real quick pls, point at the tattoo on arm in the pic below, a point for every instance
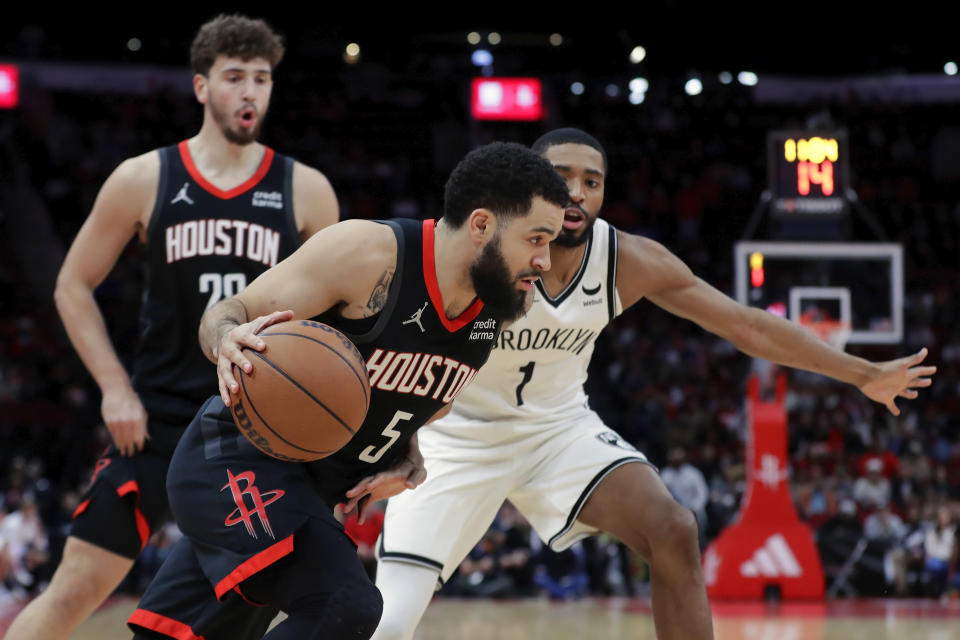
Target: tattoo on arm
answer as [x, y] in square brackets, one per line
[378, 297]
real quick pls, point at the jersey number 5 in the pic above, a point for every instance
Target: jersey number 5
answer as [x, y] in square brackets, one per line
[221, 285]
[371, 454]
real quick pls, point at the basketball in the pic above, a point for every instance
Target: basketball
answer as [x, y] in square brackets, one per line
[307, 395]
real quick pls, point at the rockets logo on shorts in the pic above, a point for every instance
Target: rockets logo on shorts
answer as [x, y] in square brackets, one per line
[257, 505]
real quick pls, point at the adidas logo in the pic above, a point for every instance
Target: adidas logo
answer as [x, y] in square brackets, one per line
[773, 560]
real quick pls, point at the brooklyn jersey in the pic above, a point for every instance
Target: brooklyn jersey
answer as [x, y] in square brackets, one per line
[539, 363]
[203, 244]
[417, 359]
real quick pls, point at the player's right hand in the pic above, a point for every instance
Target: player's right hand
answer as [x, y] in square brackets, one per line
[232, 344]
[126, 419]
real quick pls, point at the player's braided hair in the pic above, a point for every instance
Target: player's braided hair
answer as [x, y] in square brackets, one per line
[235, 36]
[502, 177]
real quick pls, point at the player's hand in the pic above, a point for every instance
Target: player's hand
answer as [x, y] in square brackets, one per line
[230, 350]
[898, 378]
[409, 473]
[126, 419]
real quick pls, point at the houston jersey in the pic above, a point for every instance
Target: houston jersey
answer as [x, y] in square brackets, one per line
[539, 364]
[203, 244]
[417, 359]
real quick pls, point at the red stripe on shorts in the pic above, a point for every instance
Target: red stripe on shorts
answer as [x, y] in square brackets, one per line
[162, 624]
[143, 527]
[251, 566]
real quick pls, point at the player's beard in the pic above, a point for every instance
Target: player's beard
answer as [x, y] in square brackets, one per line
[238, 136]
[571, 239]
[495, 285]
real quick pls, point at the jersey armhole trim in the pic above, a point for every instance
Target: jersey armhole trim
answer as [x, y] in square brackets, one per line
[290, 210]
[613, 297]
[154, 222]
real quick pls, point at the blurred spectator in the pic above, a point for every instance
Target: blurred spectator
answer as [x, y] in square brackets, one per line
[688, 487]
[816, 500]
[23, 546]
[872, 491]
[885, 533]
[940, 553]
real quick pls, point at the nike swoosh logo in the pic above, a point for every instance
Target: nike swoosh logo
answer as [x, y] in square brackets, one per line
[591, 292]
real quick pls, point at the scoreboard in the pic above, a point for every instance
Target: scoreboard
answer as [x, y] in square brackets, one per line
[809, 173]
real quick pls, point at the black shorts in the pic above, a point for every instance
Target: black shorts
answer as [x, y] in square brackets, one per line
[180, 604]
[125, 501]
[239, 510]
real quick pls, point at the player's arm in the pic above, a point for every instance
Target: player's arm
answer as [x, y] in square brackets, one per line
[648, 269]
[121, 210]
[348, 265]
[315, 205]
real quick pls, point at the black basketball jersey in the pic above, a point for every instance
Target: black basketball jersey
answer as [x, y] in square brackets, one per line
[203, 244]
[417, 361]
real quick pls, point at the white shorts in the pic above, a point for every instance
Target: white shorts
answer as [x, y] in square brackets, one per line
[548, 472]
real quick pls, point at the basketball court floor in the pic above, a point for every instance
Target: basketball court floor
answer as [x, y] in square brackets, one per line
[623, 619]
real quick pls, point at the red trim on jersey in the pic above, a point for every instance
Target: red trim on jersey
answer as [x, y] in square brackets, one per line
[239, 592]
[143, 527]
[162, 624]
[257, 563]
[433, 289]
[220, 193]
[81, 508]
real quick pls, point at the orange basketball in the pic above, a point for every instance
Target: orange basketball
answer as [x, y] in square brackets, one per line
[307, 395]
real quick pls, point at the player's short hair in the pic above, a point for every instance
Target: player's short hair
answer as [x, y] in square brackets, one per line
[565, 136]
[502, 177]
[235, 36]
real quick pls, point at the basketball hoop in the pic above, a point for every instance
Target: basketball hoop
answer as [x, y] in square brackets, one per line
[834, 332]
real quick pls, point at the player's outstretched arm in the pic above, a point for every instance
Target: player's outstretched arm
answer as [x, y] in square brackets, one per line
[650, 270]
[315, 205]
[122, 208]
[348, 265]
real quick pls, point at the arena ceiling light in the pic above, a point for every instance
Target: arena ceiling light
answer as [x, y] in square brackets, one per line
[351, 53]
[637, 54]
[577, 88]
[481, 58]
[556, 39]
[473, 37]
[494, 38]
[950, 68]
[693, 87]
[725, 77]
[747, 78]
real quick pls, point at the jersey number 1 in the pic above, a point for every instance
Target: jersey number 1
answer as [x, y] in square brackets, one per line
[527, 371]
[221, 285]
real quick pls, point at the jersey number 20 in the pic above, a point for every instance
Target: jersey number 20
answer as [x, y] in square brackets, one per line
[221, 285]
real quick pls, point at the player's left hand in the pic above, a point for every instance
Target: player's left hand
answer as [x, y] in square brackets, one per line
[408, 473]
[898, 379]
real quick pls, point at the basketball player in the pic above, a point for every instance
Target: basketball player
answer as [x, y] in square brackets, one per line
[458, 279]
[213, 212]
[524, 431]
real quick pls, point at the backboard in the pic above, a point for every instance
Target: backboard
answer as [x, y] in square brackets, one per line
[860, 283]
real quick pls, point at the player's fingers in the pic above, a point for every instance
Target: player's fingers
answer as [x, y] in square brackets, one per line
[362, 513]
[892, 408]
[920, 382]
[909, 394]
[918, 356]
[349, 506]
[275, 318]
[922, 371]
[359, 489]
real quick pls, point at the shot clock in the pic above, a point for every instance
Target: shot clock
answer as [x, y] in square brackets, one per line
[809, 173]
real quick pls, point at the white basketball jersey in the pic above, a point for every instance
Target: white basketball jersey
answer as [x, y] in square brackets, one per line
[538, 366]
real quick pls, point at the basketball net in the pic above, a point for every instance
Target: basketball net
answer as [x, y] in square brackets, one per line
[834, 332]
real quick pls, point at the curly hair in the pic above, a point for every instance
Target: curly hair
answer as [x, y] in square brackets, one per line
[565, 136]
[236, 36]
[502, 177]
